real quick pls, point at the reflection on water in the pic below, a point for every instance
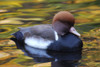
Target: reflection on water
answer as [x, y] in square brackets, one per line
[57, 59]
[22, 13]
[2, 30]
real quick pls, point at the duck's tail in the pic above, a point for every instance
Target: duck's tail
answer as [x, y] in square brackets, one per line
[18, 39]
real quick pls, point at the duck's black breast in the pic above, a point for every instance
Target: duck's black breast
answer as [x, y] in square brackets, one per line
[69, 42]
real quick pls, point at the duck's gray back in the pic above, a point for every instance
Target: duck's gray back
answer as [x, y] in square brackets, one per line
[45, 31]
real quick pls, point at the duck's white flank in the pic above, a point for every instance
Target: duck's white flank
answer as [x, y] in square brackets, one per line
[56, 35]
[38, 42]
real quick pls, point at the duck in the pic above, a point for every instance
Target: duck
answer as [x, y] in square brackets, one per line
[58, 36]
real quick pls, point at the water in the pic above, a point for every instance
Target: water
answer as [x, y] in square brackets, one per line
[25, 13]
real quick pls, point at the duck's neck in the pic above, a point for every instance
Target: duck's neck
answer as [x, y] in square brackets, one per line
[56, 35]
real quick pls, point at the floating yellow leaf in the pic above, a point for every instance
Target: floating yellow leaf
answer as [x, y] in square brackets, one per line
[9, 21]
[43, 65]
[83, 1]
[3, 11]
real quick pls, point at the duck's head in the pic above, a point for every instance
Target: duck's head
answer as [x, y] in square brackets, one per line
[63, 22]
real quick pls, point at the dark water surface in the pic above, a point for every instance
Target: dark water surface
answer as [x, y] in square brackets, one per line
[23, 13]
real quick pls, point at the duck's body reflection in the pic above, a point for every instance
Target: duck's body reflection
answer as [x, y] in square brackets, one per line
[57, 59]
[65, 59]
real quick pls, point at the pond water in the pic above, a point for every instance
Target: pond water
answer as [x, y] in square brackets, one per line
[23, 13]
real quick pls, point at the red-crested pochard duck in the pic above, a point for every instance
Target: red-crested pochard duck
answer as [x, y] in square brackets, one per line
[59, 36]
